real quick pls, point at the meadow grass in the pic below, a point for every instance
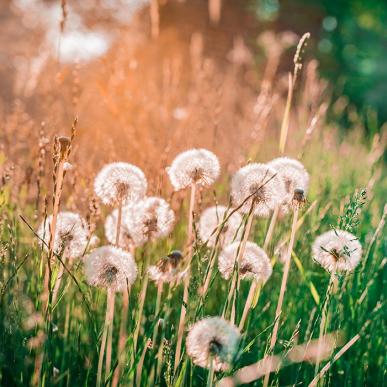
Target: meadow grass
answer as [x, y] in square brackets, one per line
[344, 194]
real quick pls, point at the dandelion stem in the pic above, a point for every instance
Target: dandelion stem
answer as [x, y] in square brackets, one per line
[240, 255]
[157, 308]
[141, 302]
[110, 294]
[283, 287]
[254, 289]
[124, 311]
[253, 286]
[187, 277]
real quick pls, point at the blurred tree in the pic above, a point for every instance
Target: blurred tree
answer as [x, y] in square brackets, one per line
[350, 41]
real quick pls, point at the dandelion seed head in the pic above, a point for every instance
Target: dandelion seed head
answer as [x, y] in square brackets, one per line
[254, 264]
[262, 185]
[71, 234]
[337, 251]
[168, 268]
[213, 340]
[150, 219]
[211, 218]
[111, 268]
[120, 182]
[293, 173]
[198, 166]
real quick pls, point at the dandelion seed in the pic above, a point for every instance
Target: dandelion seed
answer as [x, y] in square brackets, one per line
[167, 268]
[111, 268]
[337, 250]
[150, 219]
[71, 234]
[120, 182]
[195, 166]
[213, 342]
[257, 185]
[211, 218]
[293, 173]
[254, 264]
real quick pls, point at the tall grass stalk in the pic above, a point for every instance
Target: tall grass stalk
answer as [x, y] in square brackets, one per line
[283, 287]
[184, 305]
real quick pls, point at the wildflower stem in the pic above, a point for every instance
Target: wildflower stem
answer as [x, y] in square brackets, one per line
[110, 294]
[240, 255]
[141, 303]
[270, 230]
[157, 308]
[283, 287]
[323, 323]
[187, 277]
[124, 311]
[254, 289]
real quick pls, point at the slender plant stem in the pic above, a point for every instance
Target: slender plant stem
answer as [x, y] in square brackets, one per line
[141, 303]
[270, 231]
[157, 309]
[338, 355]
[323, 323]
[110, 335]
[57, 283]
[283, 287]
[253, 286]
[183, 311]
[239, 256]
[124, 311]
[104, 336]
[285, 120]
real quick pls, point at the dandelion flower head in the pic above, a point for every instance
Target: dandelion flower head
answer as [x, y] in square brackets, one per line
[337, 251]
[254, 264]
[71, 234]
[257, 185]
[168, 269]
[150, 219]
[111, 268]
[293, 173]
[213, 340]
[212, 218]
[195, 166]
[120, 182]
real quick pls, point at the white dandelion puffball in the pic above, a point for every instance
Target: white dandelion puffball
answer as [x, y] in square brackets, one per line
[125, 239]
[120, 182]
[150, 219]
[262, 185]
[254, 264]
[211, 218]
[198, 166]
[71, 234]
[168, 268]
[111, 268]
[337, 250]
[213, 340]
[293, 172]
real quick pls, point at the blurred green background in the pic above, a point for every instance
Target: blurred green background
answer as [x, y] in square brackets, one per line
[349, 38]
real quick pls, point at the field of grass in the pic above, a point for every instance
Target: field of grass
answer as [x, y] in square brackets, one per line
[331, 329]
[346, 192]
